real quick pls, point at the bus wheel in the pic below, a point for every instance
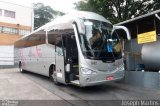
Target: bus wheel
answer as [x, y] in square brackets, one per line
[52, 74]
[20, 68]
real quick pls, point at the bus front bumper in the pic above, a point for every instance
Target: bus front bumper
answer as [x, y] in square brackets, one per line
[101, 78]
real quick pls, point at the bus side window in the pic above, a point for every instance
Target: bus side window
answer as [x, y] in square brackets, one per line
[59, 46]
[51, 37]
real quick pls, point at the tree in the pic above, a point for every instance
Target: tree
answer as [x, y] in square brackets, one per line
[117, 10]
[156, 4]
[44, 14]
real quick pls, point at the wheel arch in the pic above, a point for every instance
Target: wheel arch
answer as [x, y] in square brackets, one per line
[50, 69]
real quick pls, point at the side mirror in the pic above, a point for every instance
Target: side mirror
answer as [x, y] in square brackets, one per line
[123, 28]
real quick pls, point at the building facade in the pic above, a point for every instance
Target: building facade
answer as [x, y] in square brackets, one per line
[142, 52]
[15, 22]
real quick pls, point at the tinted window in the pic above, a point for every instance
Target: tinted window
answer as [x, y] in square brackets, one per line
[59, 45]
[70, 47]
[53, 33]
[34, 39]
[51, 37]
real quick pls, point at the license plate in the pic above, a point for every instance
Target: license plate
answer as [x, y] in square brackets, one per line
[109, 78]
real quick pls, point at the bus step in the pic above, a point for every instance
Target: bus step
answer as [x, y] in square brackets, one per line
[76, 82]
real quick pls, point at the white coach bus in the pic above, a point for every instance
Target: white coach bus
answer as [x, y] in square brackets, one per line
[79, 48]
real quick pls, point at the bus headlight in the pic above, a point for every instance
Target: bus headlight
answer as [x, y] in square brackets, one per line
[86, 71]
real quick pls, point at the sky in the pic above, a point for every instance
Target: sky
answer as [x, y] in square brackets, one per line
[61, 5]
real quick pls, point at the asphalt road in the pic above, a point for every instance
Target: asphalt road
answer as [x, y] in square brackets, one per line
[94, 95]
[102, 95]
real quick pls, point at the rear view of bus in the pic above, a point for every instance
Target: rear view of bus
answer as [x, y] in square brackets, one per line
[80, 48]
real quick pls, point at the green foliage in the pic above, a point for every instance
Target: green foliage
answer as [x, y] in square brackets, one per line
[156, 4]
[118, 10]
[44, 14]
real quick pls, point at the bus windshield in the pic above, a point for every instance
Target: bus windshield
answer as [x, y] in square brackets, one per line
[98, 42]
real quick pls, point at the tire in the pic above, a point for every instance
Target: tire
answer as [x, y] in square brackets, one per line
[20, 68]
[52, 74]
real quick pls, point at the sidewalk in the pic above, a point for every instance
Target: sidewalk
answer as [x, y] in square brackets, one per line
[14, 86]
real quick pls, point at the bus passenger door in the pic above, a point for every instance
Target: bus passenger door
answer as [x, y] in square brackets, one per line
[71, 59]
[59, 60]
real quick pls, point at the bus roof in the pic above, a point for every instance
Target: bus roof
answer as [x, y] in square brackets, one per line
[67, 20]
